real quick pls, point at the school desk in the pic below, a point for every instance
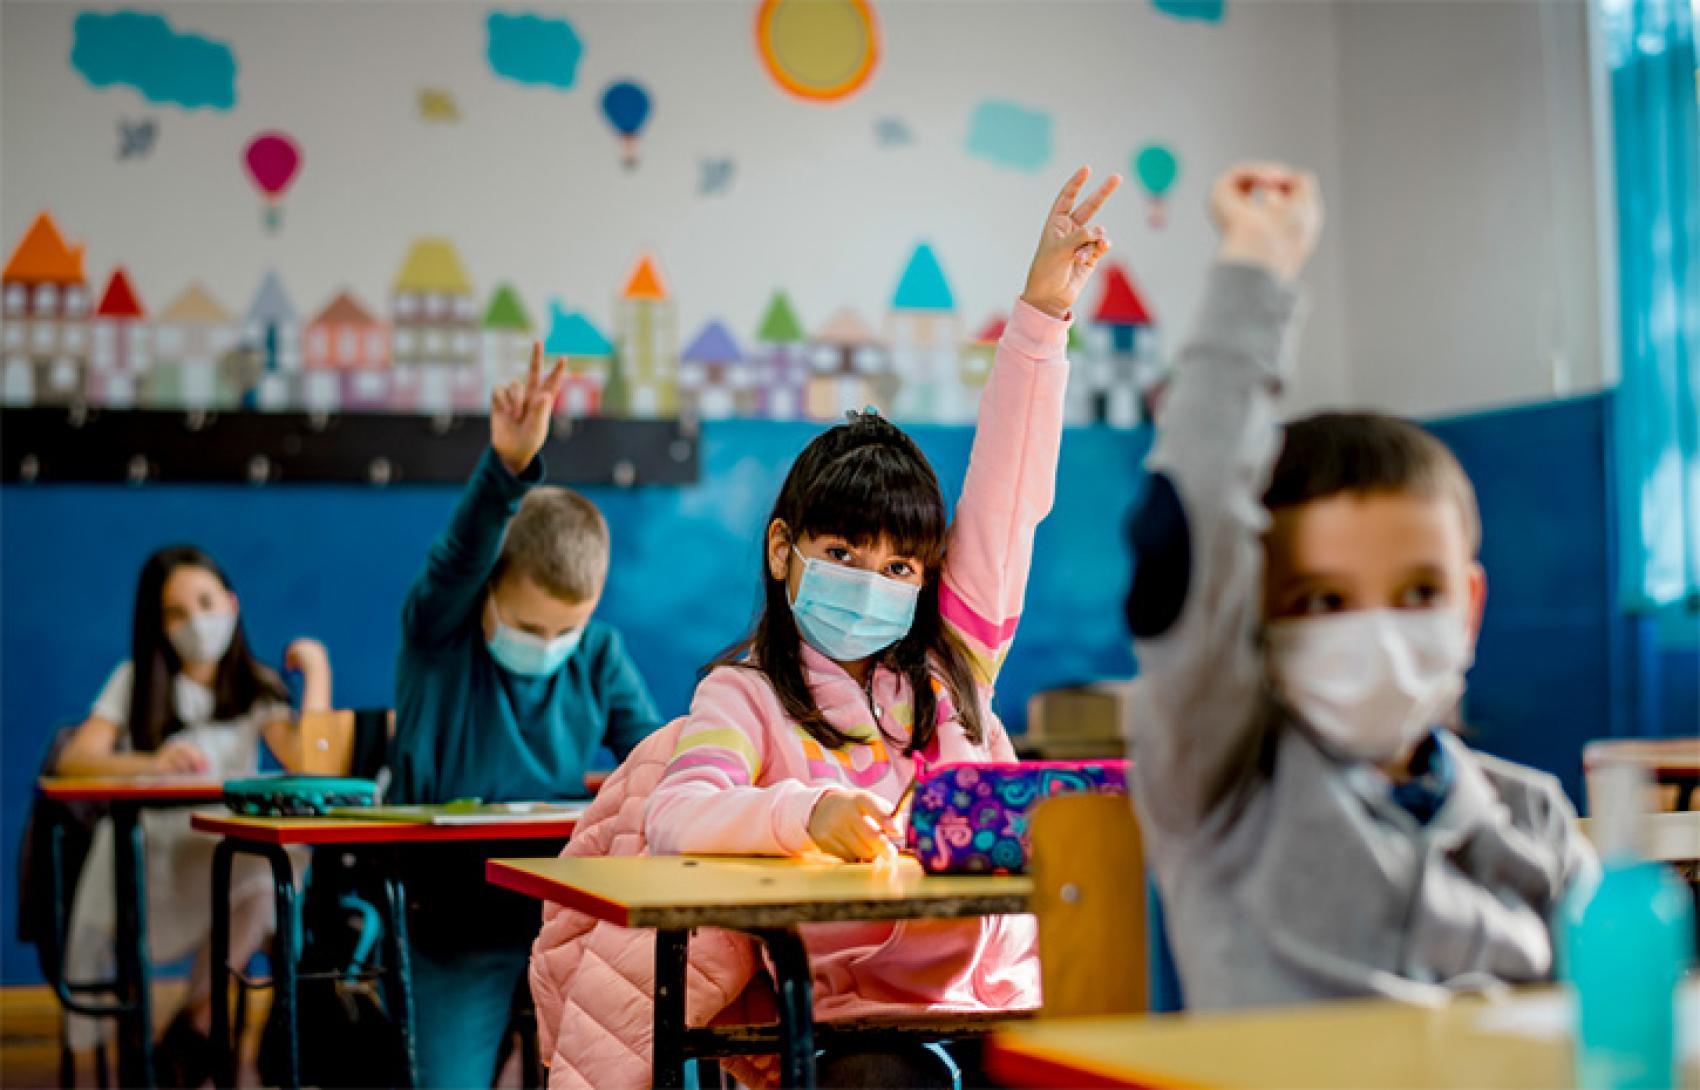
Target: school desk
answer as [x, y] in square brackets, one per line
[1669, 838]
[269, 838]
[765, 898]
[131, 988]
[1360, 1045]
[1667, 761]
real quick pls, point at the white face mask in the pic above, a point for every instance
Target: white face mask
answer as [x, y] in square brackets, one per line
[1371, 683]
[203, 637]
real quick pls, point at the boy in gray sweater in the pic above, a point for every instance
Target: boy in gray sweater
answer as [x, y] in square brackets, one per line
[1304, 607]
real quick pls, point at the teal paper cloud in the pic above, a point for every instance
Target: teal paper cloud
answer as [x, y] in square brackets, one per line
[533, 49]
[1010, 135]
[140, 49]
[1203, 11]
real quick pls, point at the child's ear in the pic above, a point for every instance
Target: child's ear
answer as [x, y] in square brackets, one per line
[778, 549]
[1478, 599]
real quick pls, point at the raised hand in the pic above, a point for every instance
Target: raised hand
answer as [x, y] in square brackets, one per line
[1269, 215]
[520, 411]
[1069, 247]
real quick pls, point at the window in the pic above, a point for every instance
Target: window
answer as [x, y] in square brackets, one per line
[434, 345]
[74, 337]
[17, 299]
[14, 334]
[319, 345]
[406, 305]
[374, 346]
[45, 341]
[404, 341]
[46, 299]
[434, 307]
[76, 301]
[463, 343]
[64, 375]
[347, 345]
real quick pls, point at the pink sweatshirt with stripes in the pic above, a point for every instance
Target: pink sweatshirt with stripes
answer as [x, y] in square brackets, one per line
[744, 779]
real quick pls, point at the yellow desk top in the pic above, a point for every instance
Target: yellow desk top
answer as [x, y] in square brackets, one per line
[676, 891]
[1364, 1045]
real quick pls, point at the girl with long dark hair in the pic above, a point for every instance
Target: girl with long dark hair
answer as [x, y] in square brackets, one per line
[192, 700]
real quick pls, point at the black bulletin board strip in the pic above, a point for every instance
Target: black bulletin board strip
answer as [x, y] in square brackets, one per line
[57, 445]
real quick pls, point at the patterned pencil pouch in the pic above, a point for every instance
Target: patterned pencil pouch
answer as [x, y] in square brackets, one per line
[972, 818]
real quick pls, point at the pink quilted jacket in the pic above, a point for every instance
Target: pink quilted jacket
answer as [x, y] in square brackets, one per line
[593, 981]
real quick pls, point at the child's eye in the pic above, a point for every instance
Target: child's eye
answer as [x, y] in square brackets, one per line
[1422, 596]
[900, 569]
[1320, 602]
[838, 554]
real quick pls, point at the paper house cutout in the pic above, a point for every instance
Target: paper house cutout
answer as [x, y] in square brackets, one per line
[923, 285]
[589, 358]
[506, 338]
[46, 307]
[715, 381]
[644, 282]
[506, 311]
[345, 335]
[572, 334]
[850, 368]
[122, 344]
[779, 325]
[119, 299]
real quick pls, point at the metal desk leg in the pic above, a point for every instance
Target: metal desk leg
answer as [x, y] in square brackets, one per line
[130, 890]
[401, 971]
[224, 1049]
[796, 999]
[672, 952]
[285, 958]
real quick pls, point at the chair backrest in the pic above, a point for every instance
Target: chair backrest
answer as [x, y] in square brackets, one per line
[341, 743]
[1088, 869]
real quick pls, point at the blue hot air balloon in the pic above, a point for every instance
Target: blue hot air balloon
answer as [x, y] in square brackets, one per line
[626, 106]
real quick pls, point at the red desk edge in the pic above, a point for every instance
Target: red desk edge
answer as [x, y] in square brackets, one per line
[508, 876]
[1018, 1066]
[350, 831]
[94, 789]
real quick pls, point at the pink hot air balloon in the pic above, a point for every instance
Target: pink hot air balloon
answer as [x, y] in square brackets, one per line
[272, 160]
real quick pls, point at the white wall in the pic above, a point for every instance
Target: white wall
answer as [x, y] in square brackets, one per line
[1468, 209]
[529, 187]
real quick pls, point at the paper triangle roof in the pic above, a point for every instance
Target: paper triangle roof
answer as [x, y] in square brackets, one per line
[507, 311]
[780, 325]
[992, 331]
[271, 303]
[119, 300]
[846, 329]
[645, 282]
[1120, 304]
[712, 344]
[196, 306]
[572, 334]
[345, 309]
[43, 255]
[923, 286]
[433, 266]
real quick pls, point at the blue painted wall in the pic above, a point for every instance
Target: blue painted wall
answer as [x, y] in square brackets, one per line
[1557, 664]
[334, 562]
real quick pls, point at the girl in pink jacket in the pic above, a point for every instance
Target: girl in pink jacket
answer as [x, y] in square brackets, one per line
[874, 655]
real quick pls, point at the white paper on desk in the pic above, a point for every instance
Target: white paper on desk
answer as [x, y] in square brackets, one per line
[1553, 1017]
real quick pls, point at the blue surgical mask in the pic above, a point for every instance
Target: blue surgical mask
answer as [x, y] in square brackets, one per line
[527, 655]
[848, 614]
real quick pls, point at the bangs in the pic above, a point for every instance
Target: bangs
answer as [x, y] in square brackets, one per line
[879, 491]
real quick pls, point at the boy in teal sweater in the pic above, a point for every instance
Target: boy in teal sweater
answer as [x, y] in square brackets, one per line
[506, 687]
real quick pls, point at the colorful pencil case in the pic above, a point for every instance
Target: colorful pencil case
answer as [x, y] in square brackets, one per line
[296, 796]
[972, 818]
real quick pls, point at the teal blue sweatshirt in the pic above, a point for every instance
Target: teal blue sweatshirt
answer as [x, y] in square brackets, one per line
[466, 727]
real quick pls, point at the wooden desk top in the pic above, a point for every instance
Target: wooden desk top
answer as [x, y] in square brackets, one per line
[160, 790]
[310, 830]
[1667, 837]
[1336, 1046]
[1668, 759]
[678, 892]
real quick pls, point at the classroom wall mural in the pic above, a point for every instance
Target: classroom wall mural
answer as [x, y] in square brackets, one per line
[319, 306]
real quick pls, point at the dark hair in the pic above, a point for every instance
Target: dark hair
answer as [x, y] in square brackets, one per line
[239, 682]
[863, 480]
[1367, 454]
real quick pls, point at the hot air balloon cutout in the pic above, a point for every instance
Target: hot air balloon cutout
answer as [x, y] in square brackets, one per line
[273, 160]
[1156, 167]
[626, 106]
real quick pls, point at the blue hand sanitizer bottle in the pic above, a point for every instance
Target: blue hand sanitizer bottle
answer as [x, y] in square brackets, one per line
[1627, 941]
